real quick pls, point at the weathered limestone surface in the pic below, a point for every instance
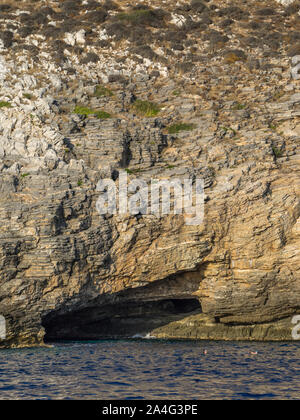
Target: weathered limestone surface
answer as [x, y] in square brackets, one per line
[69, 272]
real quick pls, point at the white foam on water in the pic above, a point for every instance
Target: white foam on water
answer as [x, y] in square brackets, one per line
[138, 336]
[147, 336]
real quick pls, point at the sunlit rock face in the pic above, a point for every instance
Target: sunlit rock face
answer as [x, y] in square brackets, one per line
[180, 90]
[286, 2]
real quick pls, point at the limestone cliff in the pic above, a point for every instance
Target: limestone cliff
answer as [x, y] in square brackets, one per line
[161, 90]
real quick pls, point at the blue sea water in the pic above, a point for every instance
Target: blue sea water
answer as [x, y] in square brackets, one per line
[150, 369]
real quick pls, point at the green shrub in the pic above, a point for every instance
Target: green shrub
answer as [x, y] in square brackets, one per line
[90, 58]
[176, 128]
[238, 106]
[4, 104]
[266, 11]
[144, 51]
[135, 16]
[132, 171]
[292, 9]
[212, 171]
[27, 96]
[272, 126]
[102, 91]
[278, 94]
[146, 108]
[185, 67]
[129, 171]
[7, 38]
[96, 16]
[198, 6]
[102, 115]
[229, 130]
[294, 50]
[142, 16]
[230, 57]
[82, 110]
[277, 152]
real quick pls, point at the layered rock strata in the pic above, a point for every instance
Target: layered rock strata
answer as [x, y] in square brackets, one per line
[199, 89]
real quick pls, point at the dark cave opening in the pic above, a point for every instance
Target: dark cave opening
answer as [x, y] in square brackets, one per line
[117, 320]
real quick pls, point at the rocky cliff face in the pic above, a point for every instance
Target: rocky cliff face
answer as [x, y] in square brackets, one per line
[160, 89]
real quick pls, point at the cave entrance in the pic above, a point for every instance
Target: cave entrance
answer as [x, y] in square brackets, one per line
[118, 319]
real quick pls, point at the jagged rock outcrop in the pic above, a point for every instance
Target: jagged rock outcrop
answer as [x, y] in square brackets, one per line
[221, 105]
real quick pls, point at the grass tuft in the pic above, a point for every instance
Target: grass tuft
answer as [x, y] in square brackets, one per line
[233, 56]
[176, 128]
[102, 115]
[28, 96]
[102, 91]
[277, 152]
[238, 106]
[146, 108]
[4, 104]
[82, 110]
[132, 171]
